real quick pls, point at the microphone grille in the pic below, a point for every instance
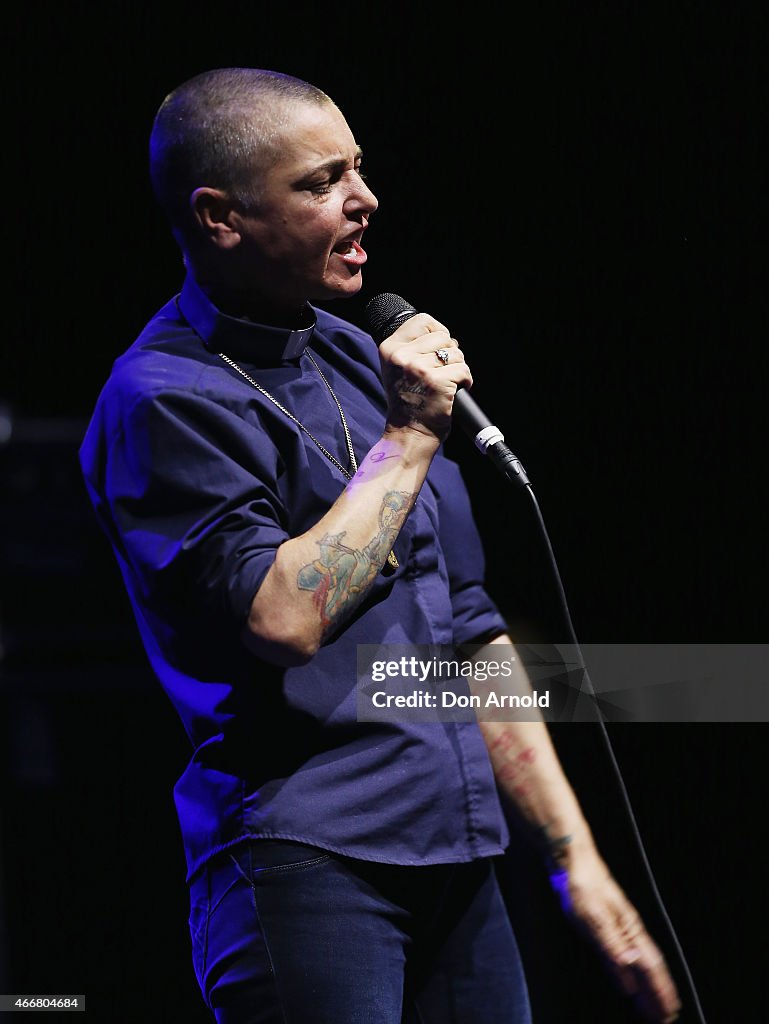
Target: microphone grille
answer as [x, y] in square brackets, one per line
[385, 313]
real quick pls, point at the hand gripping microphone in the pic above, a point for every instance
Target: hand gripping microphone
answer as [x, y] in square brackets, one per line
[384, 314]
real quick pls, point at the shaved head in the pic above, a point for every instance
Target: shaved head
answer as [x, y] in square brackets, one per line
[221, 129]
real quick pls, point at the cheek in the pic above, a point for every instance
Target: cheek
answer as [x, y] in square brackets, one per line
[301, 242]
[319, 228]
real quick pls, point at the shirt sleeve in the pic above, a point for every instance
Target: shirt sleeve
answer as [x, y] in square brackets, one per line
[193, 503]
[476, 616]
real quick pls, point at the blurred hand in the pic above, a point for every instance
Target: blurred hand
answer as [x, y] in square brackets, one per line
[599, 907]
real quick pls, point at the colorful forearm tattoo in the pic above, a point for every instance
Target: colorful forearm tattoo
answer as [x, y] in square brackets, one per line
[340, 576]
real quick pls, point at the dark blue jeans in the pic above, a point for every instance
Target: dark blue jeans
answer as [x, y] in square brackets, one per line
[284, 933]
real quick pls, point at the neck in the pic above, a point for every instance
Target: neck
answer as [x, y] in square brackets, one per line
[229, 286]
[246, 305]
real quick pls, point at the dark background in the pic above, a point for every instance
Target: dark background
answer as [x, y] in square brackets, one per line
[581, 197]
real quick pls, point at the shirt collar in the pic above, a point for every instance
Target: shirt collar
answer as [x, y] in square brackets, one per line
[259, 344]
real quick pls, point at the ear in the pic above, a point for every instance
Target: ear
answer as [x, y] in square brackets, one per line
[213, 212]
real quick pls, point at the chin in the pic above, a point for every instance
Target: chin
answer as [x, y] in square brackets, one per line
[340, 290]
[354, 284]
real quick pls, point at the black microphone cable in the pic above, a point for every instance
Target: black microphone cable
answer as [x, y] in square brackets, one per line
[384, 315]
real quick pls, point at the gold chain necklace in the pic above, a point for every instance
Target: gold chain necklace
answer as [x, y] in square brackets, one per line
[391, 559]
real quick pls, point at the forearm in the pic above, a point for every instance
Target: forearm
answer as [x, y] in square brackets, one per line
[320, 577]
[530, 776]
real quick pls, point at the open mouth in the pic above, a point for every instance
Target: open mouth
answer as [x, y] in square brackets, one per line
[347, 247]
[351, 252]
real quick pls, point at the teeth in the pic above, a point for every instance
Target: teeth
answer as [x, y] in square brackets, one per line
[351, 251]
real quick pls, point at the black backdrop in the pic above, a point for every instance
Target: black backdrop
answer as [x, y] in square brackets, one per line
[580, 195]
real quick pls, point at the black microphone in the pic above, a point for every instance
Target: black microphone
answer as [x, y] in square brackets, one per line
[384, 314]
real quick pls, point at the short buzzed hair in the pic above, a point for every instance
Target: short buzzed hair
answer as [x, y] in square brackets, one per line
[219, 129]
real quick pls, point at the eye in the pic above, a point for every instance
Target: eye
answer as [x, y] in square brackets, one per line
[323, 188]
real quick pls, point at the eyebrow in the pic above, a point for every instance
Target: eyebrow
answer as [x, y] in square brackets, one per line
[332, 166]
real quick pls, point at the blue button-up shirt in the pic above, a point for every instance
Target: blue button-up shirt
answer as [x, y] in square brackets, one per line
[197, 479]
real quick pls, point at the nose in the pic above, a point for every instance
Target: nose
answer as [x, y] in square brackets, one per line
[361, 199]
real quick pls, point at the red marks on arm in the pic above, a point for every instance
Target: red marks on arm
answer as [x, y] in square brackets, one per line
[518, 765]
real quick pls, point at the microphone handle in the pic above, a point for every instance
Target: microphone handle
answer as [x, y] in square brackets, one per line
[488, 438]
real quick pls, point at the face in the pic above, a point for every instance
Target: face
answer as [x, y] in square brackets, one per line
[304, 241]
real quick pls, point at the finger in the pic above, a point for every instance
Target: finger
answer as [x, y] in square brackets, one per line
[445, 379]
[655, 1006]
[654, 982]
[434, 359]
[445, 355]
[417, 338]
[418, 325]
[643, 974]
[616, 939]
[428, 368]
[456, 373]
[423, 344]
